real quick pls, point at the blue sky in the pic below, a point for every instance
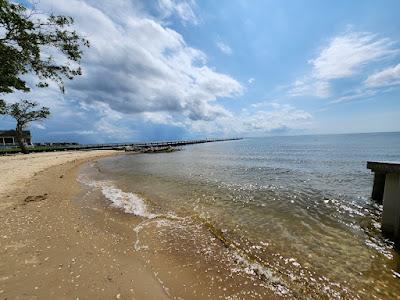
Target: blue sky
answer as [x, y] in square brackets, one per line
[171, 69]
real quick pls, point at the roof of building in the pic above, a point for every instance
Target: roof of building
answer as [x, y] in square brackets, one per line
[10, 133]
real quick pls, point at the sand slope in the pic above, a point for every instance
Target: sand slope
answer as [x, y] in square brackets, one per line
[16, 170]
[49, 249]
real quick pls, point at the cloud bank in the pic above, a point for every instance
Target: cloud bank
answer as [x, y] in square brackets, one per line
[276, 118]
[140, 71]
[344, 57]
[141, 66]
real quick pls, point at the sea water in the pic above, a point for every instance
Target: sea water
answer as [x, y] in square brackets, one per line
[292, 215]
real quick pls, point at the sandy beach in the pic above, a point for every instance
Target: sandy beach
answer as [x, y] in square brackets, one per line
[55, 245]
[49, 250]
[18, 170]
[142, 157]
[142, 232]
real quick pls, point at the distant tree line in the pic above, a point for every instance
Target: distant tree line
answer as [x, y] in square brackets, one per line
[24, 33]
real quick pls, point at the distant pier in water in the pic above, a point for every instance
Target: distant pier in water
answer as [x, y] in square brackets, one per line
[118, 146]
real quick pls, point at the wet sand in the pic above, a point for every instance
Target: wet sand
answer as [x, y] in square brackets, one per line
[59, 240]
[50, 250]
[189, 257]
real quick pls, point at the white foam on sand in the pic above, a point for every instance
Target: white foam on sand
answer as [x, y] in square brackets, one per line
[127, 201]
[256, 269]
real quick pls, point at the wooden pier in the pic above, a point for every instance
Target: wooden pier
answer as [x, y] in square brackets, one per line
[153, 144]
[122, 146]
[386, 190]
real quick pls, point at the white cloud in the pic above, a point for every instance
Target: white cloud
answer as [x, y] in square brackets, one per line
[354, 95]
[347, 53]
[138, 65]
[74, 132]
[224, 48]
[38, 125]
[386, 77]
[138, 70]
[280, 118]
[344, 56]
[251, 80]
[113, 131]
[68, 117]
[182, 8]
[378, 83]
[308, 87]
[260, 119]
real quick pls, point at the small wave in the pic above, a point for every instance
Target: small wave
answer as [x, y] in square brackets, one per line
[256, 269]
[380, 247]
[250, 264]
[127, 201]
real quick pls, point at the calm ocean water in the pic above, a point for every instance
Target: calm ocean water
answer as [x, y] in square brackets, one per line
[295, 212]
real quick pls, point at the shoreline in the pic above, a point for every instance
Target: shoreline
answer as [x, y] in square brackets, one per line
[19, 170]
[190, 257]
[62, 239]
[50, 249]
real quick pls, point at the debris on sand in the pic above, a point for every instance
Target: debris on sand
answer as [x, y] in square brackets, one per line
[36, 198]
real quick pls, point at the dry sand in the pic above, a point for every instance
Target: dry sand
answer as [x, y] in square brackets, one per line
[49, 250]
[17, 169]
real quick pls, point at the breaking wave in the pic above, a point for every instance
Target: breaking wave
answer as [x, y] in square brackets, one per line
[129, 202]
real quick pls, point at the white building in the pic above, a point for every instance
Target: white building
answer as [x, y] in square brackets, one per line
[9, 138]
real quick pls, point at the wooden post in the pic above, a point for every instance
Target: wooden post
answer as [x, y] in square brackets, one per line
[379, 186]
[387, 188]
[391, 206]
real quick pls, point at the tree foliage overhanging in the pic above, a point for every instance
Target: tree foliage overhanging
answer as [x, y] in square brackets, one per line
[26, 39]
[28, 42]
[2, 107]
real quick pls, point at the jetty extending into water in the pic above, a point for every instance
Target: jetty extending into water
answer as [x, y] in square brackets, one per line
[386, 190]
[119, 146]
